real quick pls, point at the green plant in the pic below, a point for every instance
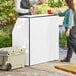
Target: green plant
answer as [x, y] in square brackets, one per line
[6, 41]
[53, 3]
[63, 40]
[1, 1]
[8, 14]
[6, 36]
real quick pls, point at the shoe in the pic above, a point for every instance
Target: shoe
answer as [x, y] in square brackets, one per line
[65, 60]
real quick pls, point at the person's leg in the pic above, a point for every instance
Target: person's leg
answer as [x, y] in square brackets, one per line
[74, 48]
[69, 51]
[69, 54]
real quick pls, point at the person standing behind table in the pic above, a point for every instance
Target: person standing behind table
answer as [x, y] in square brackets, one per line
[23, 7]
[68, 24]
[40, 2]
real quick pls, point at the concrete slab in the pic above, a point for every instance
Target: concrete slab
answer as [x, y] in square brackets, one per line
[44, 69]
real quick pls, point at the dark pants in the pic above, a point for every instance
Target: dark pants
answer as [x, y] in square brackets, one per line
[70, 49]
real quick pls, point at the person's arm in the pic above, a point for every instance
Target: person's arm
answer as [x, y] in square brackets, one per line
[70, 22]
[70, 19]
[68, 32]
[61, 13]
[18, 8]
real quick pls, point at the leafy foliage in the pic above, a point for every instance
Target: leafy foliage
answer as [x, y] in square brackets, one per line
[6, 41]
[56, 3]
[7, 12]
[8, 16]
[6, 36]
[43, 9]
[63, 40]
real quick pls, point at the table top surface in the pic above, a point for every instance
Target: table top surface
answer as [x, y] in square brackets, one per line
[34, 16]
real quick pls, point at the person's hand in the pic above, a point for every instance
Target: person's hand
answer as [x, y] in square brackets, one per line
[32, 10]
[55, 13]
[67, 33]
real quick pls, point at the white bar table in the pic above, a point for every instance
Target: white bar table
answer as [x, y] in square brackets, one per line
[39, 34]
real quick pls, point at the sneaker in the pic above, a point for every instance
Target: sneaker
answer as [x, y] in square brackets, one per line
[65, 60]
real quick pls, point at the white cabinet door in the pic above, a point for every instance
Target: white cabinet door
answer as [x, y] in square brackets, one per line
[20, 36]
[40, 37]
[44, 39]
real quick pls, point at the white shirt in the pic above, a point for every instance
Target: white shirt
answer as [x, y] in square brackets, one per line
[18, 8]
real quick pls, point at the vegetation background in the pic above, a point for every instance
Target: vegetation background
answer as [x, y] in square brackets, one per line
[8, 17]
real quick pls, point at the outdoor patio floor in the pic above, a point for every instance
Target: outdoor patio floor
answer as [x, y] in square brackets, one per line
[44, 69]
